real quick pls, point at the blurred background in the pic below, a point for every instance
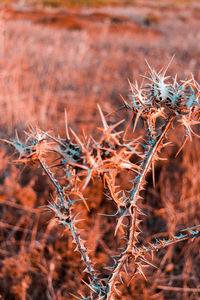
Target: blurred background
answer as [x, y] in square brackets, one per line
[75, 54]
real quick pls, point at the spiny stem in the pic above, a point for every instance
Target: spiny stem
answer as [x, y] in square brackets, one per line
[59, 189]
[85, 257]
[76, 239]
[145, 165]
[132, 229]
[165, 243]
[124, 256]
[115, 273]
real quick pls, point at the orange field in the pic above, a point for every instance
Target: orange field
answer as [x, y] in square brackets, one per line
[69, 59]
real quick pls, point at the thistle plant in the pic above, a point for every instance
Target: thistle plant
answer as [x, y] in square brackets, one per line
[161, 103]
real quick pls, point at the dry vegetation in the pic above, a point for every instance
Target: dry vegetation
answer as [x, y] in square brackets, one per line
[56, 59]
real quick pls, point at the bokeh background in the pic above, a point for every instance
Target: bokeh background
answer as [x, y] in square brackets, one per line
[73, 55]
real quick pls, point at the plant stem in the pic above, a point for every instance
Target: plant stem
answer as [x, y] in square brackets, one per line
[134, 193]
[145, 165]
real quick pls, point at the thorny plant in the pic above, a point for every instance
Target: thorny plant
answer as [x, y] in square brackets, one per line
[158, 102]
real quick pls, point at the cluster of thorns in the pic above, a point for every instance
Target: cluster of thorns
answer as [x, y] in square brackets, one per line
[158, 102]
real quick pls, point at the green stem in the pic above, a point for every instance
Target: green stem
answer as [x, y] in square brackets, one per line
[145, 165]
[134, 193]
